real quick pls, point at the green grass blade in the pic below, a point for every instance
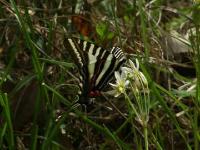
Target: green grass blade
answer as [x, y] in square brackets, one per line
[7, 116]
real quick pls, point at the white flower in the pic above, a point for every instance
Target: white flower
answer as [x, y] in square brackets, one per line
[134, 75]
[129, 75]
[121, 84]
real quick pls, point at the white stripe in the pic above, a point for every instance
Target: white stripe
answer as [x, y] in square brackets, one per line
[113, 69]
[75, 51]
[81, 85]
[103, 54]
[81, 77]
[112, 49]
[117, 49]
[105, 68]
[91, 48]
[92, 60]
[97, 51]
[119, 54]
[84, 45]
[79, 92]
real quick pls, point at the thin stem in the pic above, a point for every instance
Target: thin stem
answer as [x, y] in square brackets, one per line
[146, 137]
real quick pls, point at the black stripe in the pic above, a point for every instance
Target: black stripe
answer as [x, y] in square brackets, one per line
[95, 49]
[117, 60]
[109, 74]
[79, 48]
[98, 67]
[71, 51]
[87, 47]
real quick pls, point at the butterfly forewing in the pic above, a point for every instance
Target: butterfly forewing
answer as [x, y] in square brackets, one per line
[96, 65]
[114, 64]
[75, 48]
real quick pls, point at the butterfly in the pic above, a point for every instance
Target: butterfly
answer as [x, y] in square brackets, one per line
[95, 64]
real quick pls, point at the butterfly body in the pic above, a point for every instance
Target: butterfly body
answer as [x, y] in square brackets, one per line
[96, 65]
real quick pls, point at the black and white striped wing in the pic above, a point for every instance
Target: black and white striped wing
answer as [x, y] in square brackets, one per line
[96, 65]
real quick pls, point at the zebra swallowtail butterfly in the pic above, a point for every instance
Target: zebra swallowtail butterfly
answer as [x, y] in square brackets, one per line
[96, 65]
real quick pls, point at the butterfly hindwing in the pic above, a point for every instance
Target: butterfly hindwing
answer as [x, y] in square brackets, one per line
[96, 65]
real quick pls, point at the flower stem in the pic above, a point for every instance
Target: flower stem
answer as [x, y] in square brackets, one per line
[146, 137]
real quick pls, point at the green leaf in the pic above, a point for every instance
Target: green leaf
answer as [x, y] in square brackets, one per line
[110, 35]
[101, 29]
[60, 63]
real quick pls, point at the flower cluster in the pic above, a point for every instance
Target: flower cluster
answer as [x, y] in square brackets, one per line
[130, 77]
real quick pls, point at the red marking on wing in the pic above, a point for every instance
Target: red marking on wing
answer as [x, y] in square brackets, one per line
[94, 93]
